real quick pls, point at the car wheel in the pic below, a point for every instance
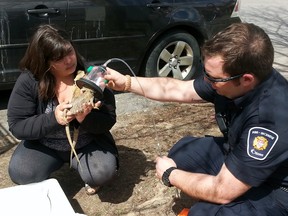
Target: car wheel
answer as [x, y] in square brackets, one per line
[176, 55]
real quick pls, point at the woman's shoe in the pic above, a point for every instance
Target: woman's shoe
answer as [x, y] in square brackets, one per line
[91, 190]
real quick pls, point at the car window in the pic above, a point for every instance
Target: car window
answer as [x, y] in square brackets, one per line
[18, 20]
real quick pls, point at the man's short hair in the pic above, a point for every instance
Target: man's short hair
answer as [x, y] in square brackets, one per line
[244, 48]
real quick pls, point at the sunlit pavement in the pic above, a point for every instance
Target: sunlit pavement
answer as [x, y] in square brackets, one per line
[272, 16]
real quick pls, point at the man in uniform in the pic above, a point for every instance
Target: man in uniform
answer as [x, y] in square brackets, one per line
[245, 171]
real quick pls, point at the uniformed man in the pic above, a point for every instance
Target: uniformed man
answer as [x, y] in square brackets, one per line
[245, 171]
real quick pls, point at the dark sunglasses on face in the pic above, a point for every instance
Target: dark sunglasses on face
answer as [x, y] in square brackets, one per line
[214, 80]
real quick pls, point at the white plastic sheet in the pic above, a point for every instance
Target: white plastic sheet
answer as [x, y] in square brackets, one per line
[44, 198]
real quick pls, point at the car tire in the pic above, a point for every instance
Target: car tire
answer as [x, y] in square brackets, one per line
[176, 55]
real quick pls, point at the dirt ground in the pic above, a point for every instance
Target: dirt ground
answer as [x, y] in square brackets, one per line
[140, 136]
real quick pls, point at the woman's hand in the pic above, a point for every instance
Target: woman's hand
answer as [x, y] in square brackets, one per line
[61, 113]
[116, 80]
[86, 109]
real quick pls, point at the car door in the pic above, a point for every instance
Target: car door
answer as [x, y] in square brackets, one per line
[104, 29]
[17, 21]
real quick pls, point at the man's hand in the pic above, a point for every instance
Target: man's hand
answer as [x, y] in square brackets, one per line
[162, 164]
[116, 80]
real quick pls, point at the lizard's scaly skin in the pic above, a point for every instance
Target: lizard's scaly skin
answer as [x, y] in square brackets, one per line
[80, 96]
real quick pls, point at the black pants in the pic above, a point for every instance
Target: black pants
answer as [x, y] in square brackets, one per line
[207, 155]
[32, 162]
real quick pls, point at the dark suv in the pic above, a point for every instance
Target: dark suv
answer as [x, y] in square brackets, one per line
[155, 37]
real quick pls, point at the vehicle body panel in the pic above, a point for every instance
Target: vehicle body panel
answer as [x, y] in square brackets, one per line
[104, 29]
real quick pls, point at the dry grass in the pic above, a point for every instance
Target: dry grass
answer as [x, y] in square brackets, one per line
[140, 136]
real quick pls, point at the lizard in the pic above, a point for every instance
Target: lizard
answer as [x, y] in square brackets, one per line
[79, 97]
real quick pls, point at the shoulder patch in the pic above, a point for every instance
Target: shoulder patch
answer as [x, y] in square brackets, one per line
[260, 142]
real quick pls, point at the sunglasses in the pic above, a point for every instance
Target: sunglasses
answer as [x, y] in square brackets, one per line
[214, 80]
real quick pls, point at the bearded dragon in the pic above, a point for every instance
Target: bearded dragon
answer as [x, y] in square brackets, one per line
[80, 96]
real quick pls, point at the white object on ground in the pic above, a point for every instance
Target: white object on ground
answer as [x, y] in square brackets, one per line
[45, 198]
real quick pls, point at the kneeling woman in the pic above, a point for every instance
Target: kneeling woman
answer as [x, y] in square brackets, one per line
[36, 111]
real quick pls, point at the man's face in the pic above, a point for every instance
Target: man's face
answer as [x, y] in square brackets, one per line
[223, 83]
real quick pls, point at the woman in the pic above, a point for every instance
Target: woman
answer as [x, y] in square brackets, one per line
[36, 115]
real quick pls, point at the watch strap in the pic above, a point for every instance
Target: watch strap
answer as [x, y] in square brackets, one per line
[165, 176]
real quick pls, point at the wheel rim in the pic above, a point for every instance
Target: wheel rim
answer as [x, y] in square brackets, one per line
[175, 60]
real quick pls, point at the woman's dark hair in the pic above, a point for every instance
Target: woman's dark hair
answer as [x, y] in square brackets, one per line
[244, 47]
[48, 43]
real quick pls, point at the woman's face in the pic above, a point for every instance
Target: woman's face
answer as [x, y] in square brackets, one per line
[65, 66]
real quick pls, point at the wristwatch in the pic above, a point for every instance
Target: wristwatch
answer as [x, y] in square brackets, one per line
[165, 176]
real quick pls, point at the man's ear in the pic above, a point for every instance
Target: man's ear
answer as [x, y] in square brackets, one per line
[248, 80]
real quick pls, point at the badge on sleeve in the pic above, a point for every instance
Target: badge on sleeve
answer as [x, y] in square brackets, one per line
[260, 142]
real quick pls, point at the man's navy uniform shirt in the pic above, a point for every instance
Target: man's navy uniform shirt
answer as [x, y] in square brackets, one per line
[257, 130]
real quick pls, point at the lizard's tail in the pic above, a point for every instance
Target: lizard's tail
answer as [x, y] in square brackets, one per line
[72, 144]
